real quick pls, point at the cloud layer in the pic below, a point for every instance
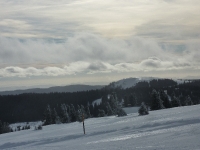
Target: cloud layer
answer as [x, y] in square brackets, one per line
[90, 54]
[67, 37]
[164, 20]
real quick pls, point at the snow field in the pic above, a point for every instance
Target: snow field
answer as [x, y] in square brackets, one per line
[168, 129]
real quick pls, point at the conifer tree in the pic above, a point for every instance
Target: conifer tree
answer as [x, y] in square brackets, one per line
[116, 109]
[143, 110]
[104, 99]
[83, 112]
[68, 109]
[101, 113]
[109, 110]
[165, 99]
[64, 114]
[132, 99]
[126, 101]
[175, 102]
[73, 113]
[113, 103]
[79, 114]
[120, 112]
[182, 100]
[48, 116]
[88, 112]
[91, 107]
[55, 117]
[5, 128]
[95, 110]
[156, 102]
[188, 101]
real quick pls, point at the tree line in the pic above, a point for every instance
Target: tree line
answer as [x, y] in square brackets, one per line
[68, 113]
[30, 107]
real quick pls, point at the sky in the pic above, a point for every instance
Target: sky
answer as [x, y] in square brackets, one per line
[47, 43]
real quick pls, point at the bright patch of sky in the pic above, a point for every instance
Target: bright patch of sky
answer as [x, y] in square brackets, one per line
[90, 41]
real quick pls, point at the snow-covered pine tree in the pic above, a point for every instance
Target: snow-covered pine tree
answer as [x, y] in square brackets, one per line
[64, 114]
[101, 113]
[143, 110]
[54, 114]
[175, 102]
[133, 99]
[91, 110]
[47, 116]
[104, 99]
[88, 112]
[156, 102]
[116, 109]
[126, 101]
[83, 112]
[68, 110]
[109, 110]
[5, 128]
[182, 99]
[79, 114]
[55, 117]
[73, 113]
[165, 99]
[120, 112]
[188, 101]
[95, 110]
[113, 103]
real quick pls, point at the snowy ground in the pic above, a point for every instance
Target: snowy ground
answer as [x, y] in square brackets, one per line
[97, 102]
[169, 129]
[130, 110]
[22, 124]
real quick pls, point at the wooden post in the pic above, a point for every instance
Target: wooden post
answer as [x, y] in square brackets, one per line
[83, 123]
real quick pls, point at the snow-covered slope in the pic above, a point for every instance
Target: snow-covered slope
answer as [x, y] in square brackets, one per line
[130, 110]
[22, 124]
[168, 129]
[97, 102]
[129, 82]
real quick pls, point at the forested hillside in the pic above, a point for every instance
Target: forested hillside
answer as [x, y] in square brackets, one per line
[30, 106]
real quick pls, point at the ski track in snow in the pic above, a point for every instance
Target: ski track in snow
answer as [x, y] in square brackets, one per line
[125, 137]
[168, 129]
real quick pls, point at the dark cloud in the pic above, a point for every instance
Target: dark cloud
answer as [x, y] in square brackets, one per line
[153, 62]
[97, 66]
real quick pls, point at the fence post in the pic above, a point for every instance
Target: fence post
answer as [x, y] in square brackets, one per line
[83, 123]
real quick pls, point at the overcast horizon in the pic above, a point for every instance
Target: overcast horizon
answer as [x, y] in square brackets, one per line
[66, 42]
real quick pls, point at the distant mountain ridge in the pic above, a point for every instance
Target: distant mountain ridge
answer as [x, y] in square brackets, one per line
[123, 83]
[130, 82]
[59, 89]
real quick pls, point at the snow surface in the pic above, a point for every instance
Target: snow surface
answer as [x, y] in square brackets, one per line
[22, 124]
[130, 110]
[168, 129]
[98, 102]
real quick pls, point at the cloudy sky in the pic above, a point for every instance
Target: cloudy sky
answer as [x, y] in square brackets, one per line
[45, 43]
